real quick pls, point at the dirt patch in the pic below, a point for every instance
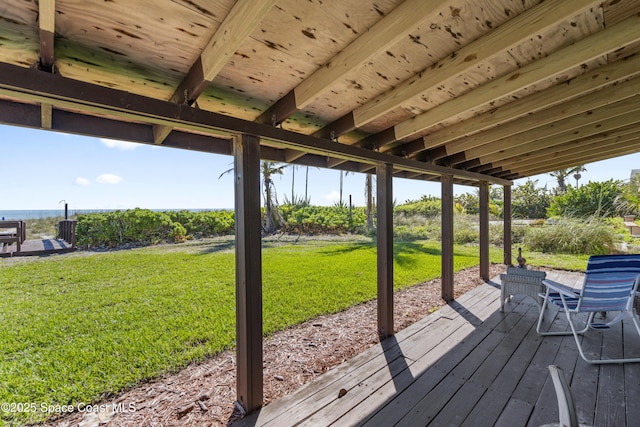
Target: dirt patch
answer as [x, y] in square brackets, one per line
[203, 394]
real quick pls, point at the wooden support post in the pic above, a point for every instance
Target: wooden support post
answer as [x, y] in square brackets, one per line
[484, 230]
[447, 237]
[507, 224]
[384, 184]
[249, 382]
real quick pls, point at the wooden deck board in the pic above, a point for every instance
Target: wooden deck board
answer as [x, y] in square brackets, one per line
[468, 364]
[37, 248]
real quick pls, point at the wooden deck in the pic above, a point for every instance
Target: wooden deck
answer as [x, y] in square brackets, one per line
[36, 248]
[468, 364]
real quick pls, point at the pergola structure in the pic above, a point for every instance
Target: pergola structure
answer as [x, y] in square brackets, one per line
[473, 92]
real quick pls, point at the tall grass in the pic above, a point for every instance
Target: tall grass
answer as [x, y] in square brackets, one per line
[568, 236]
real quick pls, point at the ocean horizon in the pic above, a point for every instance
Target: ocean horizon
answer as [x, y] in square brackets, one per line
[26, 214]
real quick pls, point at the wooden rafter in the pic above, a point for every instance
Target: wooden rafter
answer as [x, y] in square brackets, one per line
[601, 43]
[241, 21]
[629, 147]
[525, 26]
[598, 120]
[32, 86]
[466, 135]
[566, 152]
[47, 23]
[597, 127]
[383, 34]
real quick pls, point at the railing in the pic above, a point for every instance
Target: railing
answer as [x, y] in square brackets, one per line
[67, 231]
[13, 232]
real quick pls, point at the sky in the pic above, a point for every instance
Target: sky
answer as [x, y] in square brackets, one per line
[43, 170]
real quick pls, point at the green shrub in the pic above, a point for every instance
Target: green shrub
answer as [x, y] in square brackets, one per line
[131, 227]
[593, 198]
[464, 235]
[593, 237]
[529, 201]
[322, 219]
[205, 224]
[427, 206]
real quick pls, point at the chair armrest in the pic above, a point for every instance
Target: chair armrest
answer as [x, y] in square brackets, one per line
[561, 289]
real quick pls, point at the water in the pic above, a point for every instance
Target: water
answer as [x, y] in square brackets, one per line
[14, 215]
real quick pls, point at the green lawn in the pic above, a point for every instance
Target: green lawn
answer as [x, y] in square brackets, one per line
[78, 328]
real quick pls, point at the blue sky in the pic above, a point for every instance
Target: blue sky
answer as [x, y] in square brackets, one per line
[44, 168]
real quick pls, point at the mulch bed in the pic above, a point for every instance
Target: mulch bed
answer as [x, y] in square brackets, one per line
[203, 394]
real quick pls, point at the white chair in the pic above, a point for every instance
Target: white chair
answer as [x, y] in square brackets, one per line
[566, 408]
[610, 285]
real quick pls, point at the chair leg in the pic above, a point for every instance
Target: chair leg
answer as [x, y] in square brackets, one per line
[554, 333]
[599, 361]
[566, 406]
[634, 317]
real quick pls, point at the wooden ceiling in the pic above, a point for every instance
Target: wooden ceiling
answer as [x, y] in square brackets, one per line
[485, 90]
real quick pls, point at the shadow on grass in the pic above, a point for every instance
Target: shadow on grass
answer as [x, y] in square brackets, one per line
[217, 247]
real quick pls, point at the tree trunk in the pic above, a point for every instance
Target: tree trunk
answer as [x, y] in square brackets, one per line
[369, 194]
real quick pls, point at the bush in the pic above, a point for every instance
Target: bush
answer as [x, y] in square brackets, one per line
[593, 198]
[131, 227]
[465, 235]
[427, 206]
[529, 201]
[593, 237]
[205, 224]
[322, 219]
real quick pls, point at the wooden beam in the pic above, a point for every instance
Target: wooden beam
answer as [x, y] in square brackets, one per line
[30, 115]
[447, 237]
[46, 114]
[280, 111]
[559, 62]
[239, 23]
[507, 223]
[332, 163]
[47, 24]
[293, 155]
[249, 381]
[602, 141]
[605, 103]
[382, 35]
[34, 86]
[384, 188]
[531, 143]
[508, 35]
[631, 146]
[592, 147]
[484, 230]
[604, 77]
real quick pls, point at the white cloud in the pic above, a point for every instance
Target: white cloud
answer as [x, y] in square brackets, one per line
[334, 196]
[119, 145]
[109, 178]
[82, 181]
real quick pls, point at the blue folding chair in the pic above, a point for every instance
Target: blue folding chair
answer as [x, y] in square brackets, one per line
[610, 285]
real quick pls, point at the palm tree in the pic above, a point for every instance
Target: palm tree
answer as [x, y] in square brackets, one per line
[272, 215]
[342, 175]
[368, 193]
[562, 174]
[296, 200]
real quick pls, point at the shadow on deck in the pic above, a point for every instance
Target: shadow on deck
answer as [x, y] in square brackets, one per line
[468, 364]
[41, 247]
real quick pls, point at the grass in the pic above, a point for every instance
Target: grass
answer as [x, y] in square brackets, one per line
[79, 329]
[82, 328]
